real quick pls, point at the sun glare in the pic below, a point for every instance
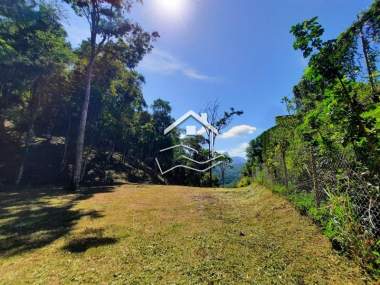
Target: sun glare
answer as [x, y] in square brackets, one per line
[173, 8]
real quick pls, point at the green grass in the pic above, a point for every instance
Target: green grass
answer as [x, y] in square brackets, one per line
[163, 235]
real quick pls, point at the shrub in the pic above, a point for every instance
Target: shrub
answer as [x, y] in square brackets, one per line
[243, 182]
[338, 222]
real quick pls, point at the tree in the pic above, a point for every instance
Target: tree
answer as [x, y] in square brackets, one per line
[111, 127]
[130, 43]
[36, 51]
[289, 104]
[161, 116]
[333, 62]
[220, 122]
[370, 61]
[223, 166]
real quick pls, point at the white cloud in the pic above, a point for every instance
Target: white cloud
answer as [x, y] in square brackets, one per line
[238, 131]
[192, 73]
[159, 61]
[240, 150]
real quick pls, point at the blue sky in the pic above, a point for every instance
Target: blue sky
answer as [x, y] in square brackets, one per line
[238, 52]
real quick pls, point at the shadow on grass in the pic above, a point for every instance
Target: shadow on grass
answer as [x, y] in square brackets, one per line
[33, 218]
[88, 239]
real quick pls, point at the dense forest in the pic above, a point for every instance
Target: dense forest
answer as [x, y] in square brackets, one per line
[78, 116]
[325, 154]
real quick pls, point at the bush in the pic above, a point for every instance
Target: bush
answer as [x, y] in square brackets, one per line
[244, 182]
[338, 222]
[375, 263]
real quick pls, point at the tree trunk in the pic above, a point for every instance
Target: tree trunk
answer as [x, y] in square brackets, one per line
[365, 46]
[28, 141]
[84, 168]
[340, 78]
[124, 156]
[209, 157]
[34, 103]
[283, 154]
[64, 155]
[82, 126]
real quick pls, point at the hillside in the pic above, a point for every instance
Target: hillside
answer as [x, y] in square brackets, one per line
[138, 234]
[233, 173]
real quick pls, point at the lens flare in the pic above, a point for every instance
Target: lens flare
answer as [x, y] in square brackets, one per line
[173, 8]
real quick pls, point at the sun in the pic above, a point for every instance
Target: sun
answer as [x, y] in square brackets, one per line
[174, 8]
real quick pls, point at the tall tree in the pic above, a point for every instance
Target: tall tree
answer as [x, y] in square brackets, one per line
[108, 24]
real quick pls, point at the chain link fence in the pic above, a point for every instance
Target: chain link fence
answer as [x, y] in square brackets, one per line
[334, 176]
[338, 177]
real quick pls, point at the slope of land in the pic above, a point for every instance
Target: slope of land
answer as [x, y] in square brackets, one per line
[232, 173]
[138, 234]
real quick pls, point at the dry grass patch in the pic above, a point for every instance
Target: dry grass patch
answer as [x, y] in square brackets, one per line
[164, 234]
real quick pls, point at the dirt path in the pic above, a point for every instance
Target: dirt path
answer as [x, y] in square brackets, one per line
[164, 235]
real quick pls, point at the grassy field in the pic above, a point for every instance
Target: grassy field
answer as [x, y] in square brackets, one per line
[163, 235]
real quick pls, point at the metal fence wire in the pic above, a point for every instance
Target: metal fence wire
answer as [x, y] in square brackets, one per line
[335, 176]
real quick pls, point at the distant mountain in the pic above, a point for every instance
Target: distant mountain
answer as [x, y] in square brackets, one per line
[232, 175]
[237, 160]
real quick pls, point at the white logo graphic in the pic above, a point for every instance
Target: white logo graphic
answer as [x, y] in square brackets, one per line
[192, 131]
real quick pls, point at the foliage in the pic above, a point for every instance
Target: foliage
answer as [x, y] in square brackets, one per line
[127, 42]
[244, 181]
[325, 155]
[220, 122]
